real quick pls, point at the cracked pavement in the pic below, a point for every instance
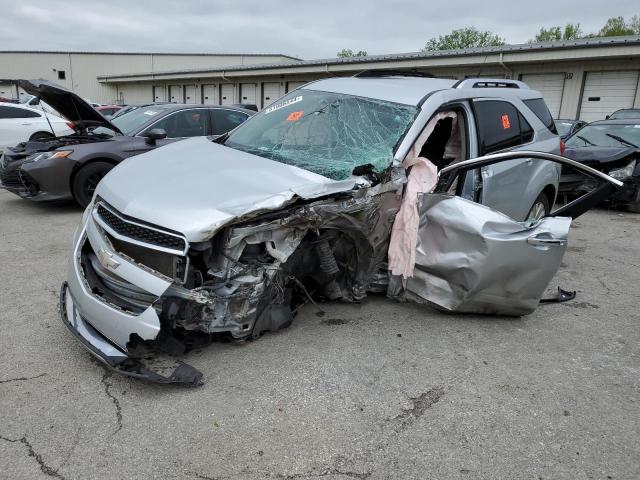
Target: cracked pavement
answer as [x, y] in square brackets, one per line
[371, 391]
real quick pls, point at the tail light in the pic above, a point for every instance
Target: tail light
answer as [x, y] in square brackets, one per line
[562, 147]
[71, 125]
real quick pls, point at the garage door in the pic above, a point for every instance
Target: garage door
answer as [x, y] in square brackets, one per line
[248, 93]
[606, 92]
[551, 86]
[270, 93]
[191, 94]
[226, 94]
[294, 85]
[7, 91]
[159, 94]
[175, 93]
[210, 94]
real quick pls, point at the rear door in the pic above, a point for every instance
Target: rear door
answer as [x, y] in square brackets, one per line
[17, 125]
[472, 258]
[501, 126]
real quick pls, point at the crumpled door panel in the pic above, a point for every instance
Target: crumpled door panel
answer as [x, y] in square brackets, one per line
[470, 258]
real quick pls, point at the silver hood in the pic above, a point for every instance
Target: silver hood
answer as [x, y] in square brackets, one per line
[196, 186]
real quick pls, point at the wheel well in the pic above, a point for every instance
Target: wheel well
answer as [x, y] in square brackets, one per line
[79, 167]
[550, 193]
[43, 133]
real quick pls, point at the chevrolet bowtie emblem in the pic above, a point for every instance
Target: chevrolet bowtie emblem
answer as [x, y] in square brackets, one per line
[106, 260]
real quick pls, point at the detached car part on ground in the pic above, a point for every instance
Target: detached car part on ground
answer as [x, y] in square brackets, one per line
[254, 232]
[70, 166]
[611, 147]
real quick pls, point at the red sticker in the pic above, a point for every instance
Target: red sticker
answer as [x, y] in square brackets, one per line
[295, 116]
[506, 124]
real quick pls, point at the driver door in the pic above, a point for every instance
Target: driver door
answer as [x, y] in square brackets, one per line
[472, 258]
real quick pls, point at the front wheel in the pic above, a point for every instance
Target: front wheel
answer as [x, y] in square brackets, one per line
[539, 209]
[41, 136]
[86, 181]
[634, 206]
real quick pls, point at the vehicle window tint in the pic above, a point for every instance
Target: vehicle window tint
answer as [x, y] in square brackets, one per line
[537, 106]
[500, 125]
[226, 120]
[185, 123]
[11, 112]
[526, 129]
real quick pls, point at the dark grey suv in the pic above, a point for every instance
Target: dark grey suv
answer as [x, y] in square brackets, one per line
[71, 166]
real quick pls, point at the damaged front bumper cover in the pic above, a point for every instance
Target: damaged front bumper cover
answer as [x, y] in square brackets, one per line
[113, 357]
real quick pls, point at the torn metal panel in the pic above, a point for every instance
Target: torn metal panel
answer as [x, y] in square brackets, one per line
[470, 258]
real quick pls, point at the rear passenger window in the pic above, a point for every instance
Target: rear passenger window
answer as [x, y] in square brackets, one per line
[226, 120]
[500, 125]
[12, 112]
[537, 106]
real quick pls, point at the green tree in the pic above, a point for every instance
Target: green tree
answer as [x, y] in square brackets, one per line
[571, 31]
[468, 37]
[347, 52]
[617, 26]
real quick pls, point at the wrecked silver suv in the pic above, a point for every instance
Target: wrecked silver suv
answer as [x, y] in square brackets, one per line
[345, 187]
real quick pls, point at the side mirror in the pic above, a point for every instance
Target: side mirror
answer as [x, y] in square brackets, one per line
[607, 117]
[155, 134]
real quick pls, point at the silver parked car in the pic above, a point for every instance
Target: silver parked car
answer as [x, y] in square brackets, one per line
[382, 183]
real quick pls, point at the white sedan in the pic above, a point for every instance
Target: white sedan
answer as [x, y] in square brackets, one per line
[19, 123]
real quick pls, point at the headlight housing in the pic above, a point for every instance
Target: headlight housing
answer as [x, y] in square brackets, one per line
[47, 155]
[624, 172]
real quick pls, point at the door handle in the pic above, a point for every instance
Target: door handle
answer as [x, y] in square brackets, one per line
[546, 241]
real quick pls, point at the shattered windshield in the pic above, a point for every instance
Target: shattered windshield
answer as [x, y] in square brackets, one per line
[326, 133]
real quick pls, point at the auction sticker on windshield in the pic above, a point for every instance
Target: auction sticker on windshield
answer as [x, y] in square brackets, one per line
[286, 103]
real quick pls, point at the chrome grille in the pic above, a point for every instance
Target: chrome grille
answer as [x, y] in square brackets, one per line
[140, 233]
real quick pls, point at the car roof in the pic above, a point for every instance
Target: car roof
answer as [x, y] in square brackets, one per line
[412, 88]
[617, 121]
[172, 107]
[20, 105]
[397, 89]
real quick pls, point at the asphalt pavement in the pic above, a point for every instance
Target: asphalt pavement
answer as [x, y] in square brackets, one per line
[370, 391]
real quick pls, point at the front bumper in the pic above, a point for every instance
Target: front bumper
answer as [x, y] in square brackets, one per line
[111, 356]
[105, 330]
[39, 181]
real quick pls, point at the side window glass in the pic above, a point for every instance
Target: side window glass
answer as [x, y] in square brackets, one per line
[498, 125]
[525, 129]
[185, 123]
[11, 112]
[226, 120]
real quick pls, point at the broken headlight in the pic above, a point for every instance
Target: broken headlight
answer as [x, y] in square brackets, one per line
[47, 155]
[624, 172]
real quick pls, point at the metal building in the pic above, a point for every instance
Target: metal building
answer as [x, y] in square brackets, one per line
[79, 71]
[585, 79]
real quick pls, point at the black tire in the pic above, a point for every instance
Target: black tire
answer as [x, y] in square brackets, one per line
[634, 206]
[41, 136]
[539, 209]
[86, 181]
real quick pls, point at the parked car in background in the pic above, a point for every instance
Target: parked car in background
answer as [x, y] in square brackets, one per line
[109, 110]
[610, 146]
[19, 123]
[323, 194]
[624, 114]
[70, 166]
[566, 128]
[129, 108]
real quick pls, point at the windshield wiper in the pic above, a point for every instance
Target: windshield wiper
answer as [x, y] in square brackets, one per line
[585, 140]
[621, 140]
[221, 138]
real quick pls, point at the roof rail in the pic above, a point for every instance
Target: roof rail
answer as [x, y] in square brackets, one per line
[377, 73]
[490, 83]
